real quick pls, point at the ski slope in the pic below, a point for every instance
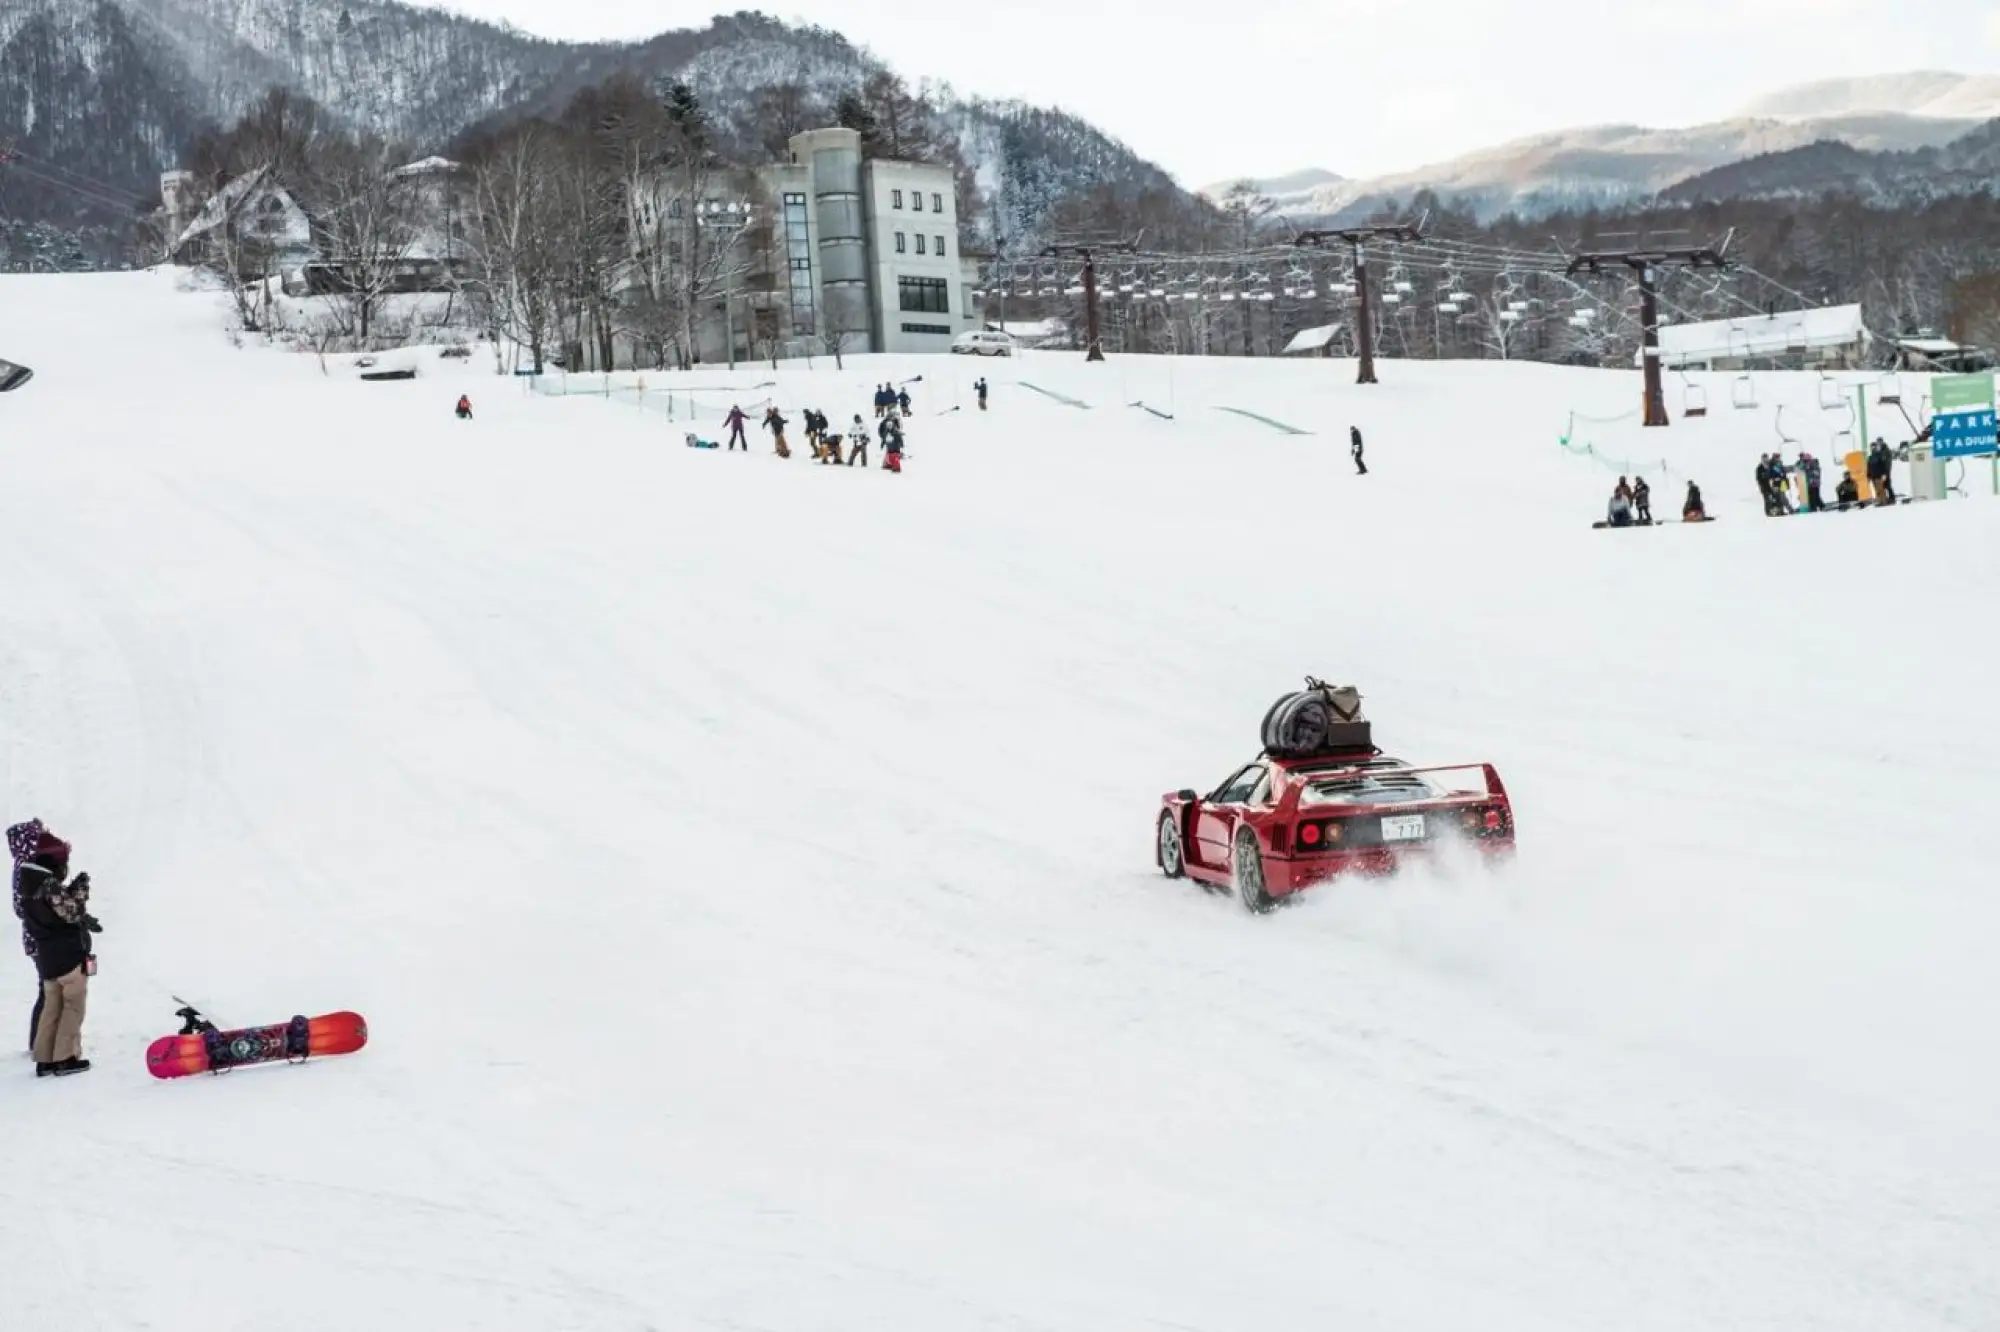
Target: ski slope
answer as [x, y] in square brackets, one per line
[745, 866]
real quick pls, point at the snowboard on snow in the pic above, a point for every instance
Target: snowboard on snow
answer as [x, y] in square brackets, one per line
[13, 376]
[202, 1047]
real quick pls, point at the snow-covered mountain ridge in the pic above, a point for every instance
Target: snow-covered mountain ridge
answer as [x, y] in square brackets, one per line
[114, 91]
[1614, 164]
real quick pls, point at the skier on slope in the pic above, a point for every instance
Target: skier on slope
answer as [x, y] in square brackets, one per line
[735, 421]
[1354, 447]
[464, 407]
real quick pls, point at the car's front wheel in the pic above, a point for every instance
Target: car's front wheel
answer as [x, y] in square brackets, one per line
[1250, 874]
[1173, 860]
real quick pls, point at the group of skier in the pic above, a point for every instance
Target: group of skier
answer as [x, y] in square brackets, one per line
[56, 925]
[1774, 475]
[1632, 504]
[836, 448]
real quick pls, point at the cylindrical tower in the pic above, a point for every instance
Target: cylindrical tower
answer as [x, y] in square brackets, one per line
[835, 158]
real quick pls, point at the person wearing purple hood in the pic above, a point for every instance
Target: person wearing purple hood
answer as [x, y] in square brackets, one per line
[56, 929]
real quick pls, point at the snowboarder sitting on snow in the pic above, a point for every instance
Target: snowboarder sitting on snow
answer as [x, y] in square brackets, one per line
[1619, 512]
[1691, 509]
[464, 407]
[1846, 492]
[55, 911]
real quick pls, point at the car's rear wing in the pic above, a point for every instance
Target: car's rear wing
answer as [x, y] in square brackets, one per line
[1492, 788]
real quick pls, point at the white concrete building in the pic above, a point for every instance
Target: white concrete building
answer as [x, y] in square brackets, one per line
[872, 244]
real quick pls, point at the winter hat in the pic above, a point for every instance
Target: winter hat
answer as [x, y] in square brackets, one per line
[24, 838]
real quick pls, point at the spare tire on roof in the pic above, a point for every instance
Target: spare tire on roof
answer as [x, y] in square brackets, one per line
[1319, 719]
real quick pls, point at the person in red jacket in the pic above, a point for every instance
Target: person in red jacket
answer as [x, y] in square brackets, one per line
[464, 407]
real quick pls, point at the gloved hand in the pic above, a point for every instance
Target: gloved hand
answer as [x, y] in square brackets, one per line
[90, 923]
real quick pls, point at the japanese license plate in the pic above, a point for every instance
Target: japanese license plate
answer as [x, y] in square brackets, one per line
[1403, 828]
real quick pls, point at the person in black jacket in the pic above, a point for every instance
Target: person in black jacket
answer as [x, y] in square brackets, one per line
[22, 839]
[56, 914]
[1354, 447]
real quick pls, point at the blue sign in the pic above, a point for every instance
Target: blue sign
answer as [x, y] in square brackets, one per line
[1961, 434]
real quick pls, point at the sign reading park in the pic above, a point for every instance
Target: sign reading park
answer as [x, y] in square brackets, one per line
[1962, 416]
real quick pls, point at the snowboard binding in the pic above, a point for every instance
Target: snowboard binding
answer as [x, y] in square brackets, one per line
[192, 1022]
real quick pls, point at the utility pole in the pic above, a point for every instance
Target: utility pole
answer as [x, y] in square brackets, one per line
[1646, 264]
[1356, 239]
[1088, 252]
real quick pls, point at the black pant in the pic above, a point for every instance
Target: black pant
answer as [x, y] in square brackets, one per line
[1361, 468]
[1643, 509]
[35, 1018]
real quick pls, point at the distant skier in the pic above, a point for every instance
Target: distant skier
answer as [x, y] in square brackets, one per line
[979, 387]
[1354, 447]
[903, 402]
[776, 425]
[1880, 460]
[892, 448]
[857, 448]
[464, 407]
[735, 421]
[1642, 501]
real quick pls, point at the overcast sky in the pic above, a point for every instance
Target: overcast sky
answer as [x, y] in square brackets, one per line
[1214, 89]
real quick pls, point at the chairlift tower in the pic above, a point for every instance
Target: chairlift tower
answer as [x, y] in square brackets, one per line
[1088, 251]
[1356, 239]
[1646, 264]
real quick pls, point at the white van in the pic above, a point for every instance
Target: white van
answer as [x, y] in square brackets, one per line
[982, 343]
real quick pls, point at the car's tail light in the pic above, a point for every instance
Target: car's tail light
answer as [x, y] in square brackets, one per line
[1492, 820]
[1320, 835]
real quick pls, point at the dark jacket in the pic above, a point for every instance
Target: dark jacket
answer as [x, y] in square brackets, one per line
[56, 915]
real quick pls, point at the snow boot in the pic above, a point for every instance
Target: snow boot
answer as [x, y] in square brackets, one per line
[63, 1068]
[43, 1070]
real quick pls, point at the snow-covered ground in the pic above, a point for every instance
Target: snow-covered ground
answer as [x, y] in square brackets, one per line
[745, 866]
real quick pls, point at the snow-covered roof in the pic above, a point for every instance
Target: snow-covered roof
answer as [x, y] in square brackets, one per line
[1930, 346]
[1763, 335]
[428, 167]
[1312, 339]
[291, 225]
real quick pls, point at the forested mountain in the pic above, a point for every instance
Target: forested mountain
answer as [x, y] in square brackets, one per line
[100, 96]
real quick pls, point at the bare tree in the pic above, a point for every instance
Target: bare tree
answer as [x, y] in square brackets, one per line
[514, 238]
[364, 215]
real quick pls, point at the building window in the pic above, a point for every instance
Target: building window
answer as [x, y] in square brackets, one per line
[937, 203]
[939, 251]
[899, 242]
[920, 242]
[944, 329]
[895, 198]
[917, 200]
[921, 295]
[798, 252]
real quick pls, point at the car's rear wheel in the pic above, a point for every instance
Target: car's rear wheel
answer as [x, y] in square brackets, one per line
[1173, 860]
[1250, 874]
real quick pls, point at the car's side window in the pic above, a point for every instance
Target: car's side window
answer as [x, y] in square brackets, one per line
[1239, 788]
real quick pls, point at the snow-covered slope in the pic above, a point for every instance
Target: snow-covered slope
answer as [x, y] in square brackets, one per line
[744, 865]
[1611, 164]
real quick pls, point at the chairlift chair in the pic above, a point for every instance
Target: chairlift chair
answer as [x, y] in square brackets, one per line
[1890, 392]
[1743, 392]
[1831, 398]
[1694, 399]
